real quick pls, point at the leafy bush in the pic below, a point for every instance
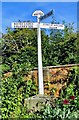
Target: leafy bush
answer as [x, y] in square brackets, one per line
[20, 56]
[4, 68]
[15, 89]
[67, 105]
[64, 109]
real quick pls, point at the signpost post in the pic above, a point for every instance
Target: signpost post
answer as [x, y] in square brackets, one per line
[40, 70]
[40, 16]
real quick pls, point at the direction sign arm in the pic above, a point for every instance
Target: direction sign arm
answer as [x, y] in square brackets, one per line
[46, 15]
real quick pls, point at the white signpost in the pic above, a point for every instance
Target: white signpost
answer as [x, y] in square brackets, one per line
[46, 15]
[35, 25]
[40, 70]
[38, 25]
[24, 25]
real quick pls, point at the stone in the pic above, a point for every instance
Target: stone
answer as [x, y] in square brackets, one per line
[37, 102]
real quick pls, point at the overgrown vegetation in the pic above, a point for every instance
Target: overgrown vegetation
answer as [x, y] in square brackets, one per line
[19, 56]
[67, 105]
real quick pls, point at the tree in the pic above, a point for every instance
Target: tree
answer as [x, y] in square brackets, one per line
[63, 45]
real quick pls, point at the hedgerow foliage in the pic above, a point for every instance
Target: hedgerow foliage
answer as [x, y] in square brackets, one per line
[19, 56]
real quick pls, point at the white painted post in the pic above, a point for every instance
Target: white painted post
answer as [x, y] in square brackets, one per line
[39, 25]
[40, 70]
[39, 13]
